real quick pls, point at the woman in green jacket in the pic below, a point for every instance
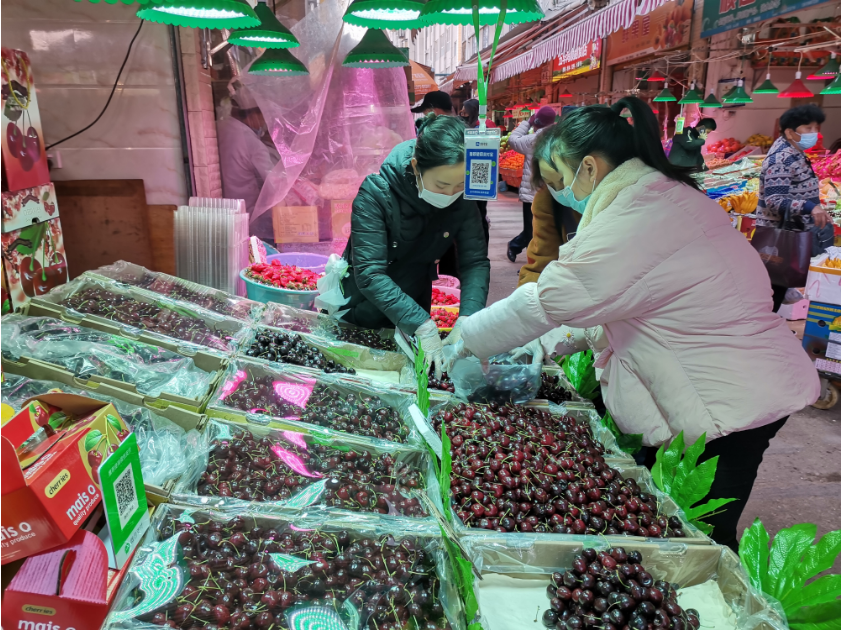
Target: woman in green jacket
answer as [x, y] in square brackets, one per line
[404, 219]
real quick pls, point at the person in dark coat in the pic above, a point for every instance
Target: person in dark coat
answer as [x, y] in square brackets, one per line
[687, 146]
[403, 220]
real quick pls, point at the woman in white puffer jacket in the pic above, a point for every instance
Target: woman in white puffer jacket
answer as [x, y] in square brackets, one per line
[684, 301]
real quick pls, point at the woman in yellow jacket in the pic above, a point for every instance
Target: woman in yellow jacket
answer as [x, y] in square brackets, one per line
[553, 224]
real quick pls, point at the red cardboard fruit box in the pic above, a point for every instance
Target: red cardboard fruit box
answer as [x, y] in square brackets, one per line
[51, 451]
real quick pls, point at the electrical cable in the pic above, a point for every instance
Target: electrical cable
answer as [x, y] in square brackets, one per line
[110, 96]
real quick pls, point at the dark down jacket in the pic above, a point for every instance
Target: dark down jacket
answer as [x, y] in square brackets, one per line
[396, 242]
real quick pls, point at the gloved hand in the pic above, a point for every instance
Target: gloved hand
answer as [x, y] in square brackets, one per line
[459, 351]
[456, 334]
[428, 338]
[535, 348]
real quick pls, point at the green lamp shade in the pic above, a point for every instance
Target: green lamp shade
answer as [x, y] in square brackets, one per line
[460, 12]
[737, 95]
[767, 87]
[692, 97]
[665, 95]
[230, 14]
[711, 102]
[833, 87]
[828, 71]
[375, 51]
[278, 62]
[384, 13]
[269, 34]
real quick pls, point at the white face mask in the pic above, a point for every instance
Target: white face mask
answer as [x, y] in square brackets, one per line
[439, 200]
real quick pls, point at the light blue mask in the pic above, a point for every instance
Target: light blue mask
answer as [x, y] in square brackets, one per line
[566, 197]
[808, 141]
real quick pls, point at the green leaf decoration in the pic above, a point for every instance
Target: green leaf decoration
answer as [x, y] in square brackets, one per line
[463, 572]
[444, 474]
[630, 444]
[113, 422]
[423, 397]
[685, 482]
[57, 420]
[581, 373]
[92, 439]
[30, 238]
[788, 572]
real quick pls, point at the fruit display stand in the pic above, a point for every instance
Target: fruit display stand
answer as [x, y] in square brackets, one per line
[183, 291]
[271, 470]
[141, 316]
[519, 579]
[154, 374]
[316, 355]
[286, 397]
[325, 327]
[164, 433]
[306, 556]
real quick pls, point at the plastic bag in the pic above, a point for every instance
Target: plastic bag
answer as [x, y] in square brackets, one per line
[500, 379]
[86, 353]
[182, 290]
[296, 536]
[163, 444]
[313, 478]
[330, 296]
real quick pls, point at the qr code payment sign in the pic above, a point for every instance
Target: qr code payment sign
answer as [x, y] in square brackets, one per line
[126, 494]
[481, 174]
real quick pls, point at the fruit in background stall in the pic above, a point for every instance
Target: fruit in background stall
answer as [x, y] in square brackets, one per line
[283, 276]
[443, 318]
[511, 160]
[833, 263]
[441, 298]
[728, 145]
[760, 140]
[827, 166]
[744, 203]
[715, 163]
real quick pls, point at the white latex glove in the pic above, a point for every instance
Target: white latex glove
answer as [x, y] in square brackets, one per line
[455, 334]
[534, 348]
[428, 338]
[459, 351]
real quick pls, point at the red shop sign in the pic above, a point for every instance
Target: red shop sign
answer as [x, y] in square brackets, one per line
[577, 61]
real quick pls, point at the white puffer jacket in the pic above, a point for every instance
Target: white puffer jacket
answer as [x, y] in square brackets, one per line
[524, 142]
[685, 304]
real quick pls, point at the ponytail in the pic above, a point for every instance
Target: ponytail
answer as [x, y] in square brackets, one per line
[602, 131]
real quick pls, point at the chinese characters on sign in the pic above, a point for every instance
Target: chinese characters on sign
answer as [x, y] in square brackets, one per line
[665, 28]
[724, 15]
[577, 61]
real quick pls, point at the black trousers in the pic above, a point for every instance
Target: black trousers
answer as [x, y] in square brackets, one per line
[778, 295]
[740, 455]
[521, 241]
[449, 263]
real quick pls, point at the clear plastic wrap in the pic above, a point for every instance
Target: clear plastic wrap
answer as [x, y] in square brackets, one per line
[89, 353]
[361, 362]
[499, 380]
[183, 290]
[285, 397]
[531, 560]
[303, 539]
[170, 323]
[306, 470]
[326, 327]
[163, 444]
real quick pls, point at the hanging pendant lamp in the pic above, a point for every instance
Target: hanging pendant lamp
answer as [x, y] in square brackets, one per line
[270, 33]
[692, 97]
[278, 62]
[833, 87]
[566, 94]
[797, 89]
[461, 12]
[767, 87]
[711, 102]
[665, 95]
[375, 51]
[643, 75]
[656, 77]
[384, 13]
[231, 14]
[828, 71]
[737, 96]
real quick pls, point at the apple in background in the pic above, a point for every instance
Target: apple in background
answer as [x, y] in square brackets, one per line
[14, 139]
[32, 144]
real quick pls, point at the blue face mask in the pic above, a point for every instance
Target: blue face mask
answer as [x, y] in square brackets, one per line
[808, 141]
[566, 197]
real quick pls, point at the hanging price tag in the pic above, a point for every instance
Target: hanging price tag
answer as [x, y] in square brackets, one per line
[679, 124]
[482, 160]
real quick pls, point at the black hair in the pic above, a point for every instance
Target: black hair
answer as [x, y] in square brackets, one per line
[600, 130]
[801, 115]
[441, 142]
[710, 123]
[471, 107]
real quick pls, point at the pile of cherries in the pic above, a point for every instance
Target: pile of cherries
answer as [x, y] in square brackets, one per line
[283, 347]
[252, 468]
[551, 390]
[146, 316]
[443, 384]
[515, 468]
[173, 288]
[610, 590]
[235, 583]
[326, 406]
[365, 337]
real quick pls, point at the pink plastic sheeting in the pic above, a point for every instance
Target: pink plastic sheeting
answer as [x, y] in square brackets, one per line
[332, 128]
